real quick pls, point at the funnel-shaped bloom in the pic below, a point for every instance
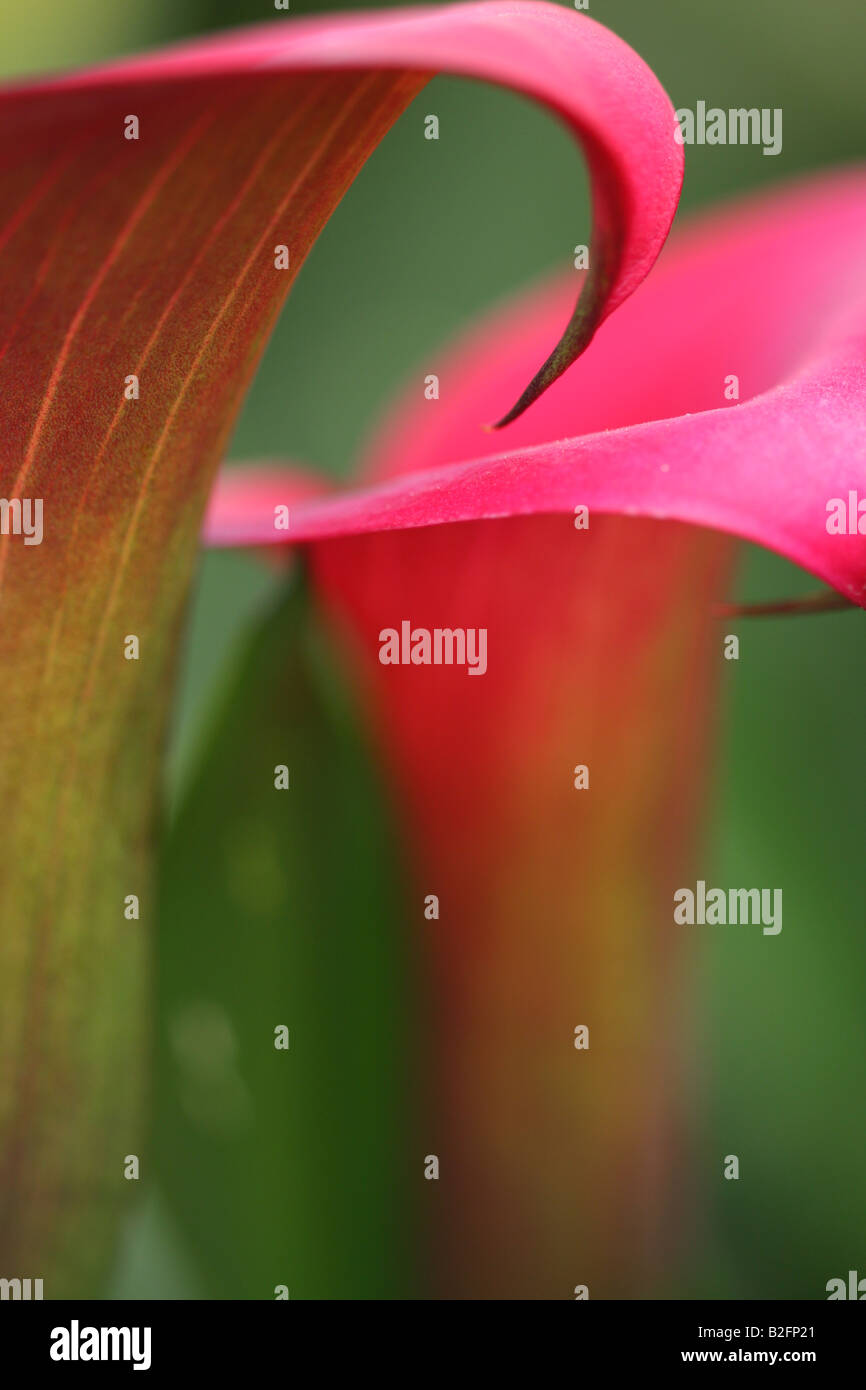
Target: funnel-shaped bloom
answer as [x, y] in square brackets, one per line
[550, 802]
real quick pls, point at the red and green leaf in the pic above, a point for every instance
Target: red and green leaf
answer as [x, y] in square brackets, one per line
[154, 258]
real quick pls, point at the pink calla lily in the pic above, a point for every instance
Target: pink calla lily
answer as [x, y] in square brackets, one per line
[602, 652]
[154, 214]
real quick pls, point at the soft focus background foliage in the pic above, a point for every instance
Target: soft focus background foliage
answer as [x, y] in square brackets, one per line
[431, 234]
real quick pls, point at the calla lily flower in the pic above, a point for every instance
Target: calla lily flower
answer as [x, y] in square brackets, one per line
[155, 212]
[603, 656]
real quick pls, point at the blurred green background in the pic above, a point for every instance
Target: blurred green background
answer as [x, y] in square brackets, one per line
[431, 234]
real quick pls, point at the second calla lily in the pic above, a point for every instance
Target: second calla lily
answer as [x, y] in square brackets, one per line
[602, 663]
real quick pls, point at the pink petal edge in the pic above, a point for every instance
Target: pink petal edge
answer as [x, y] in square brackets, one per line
[606, 95]
[774, 289]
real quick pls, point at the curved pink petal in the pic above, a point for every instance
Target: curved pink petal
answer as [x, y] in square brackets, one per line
[597, 84]
[264, 489]
[773, 292]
